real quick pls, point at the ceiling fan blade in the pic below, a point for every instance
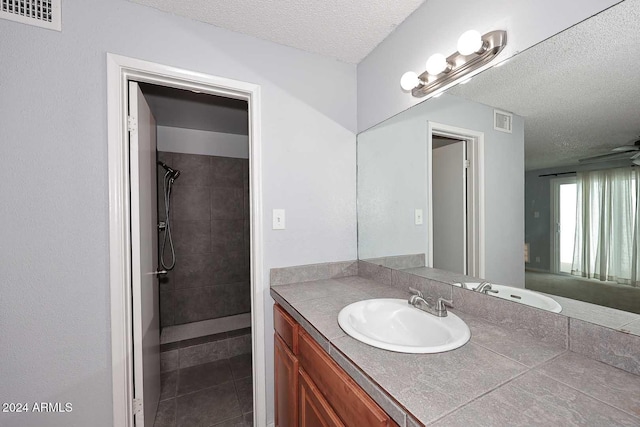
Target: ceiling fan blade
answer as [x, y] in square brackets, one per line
[622, 155]
[626, 148]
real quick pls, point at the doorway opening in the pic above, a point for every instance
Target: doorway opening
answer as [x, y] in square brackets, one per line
[202, 158]
[455, 199]
[564, 194]
[186, 253]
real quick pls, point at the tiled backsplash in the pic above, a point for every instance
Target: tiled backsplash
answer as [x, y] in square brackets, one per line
[400, 261]
[600, 343]
[603, 344]
[210, 229]
[308, 273]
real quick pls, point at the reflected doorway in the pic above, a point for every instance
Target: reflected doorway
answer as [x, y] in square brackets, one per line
[455, 199]
[564, 195]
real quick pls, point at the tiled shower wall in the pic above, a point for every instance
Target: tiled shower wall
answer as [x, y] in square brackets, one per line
[210, 229]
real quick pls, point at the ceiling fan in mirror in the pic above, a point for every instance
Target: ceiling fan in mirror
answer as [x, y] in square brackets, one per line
[630, 151]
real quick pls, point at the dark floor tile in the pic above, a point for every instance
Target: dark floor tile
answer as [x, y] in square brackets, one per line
[168, 385]
[169, 361]
[248, 419]
[166, 415]
[204, 353]
[238, 332]
[208, 407]
[193, 341]
[203, 376]
[240, 345]
[241, 366]
[234, 422]
[244, 388]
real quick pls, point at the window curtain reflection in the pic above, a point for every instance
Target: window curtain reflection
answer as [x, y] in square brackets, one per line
[608, 226]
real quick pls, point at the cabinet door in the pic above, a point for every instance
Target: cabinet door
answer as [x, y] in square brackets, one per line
[286, 384]
[354, 407]
[315, 411]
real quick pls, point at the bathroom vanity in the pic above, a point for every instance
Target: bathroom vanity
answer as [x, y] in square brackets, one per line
[517, 368]
[311, 387]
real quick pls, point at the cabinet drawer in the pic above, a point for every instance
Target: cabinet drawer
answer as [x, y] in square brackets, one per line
[286, 327]
[315, 411]
[354, 407]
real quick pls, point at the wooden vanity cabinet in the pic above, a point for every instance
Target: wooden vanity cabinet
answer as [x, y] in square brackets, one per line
[314, 409]
[285, 368]
[312, 389]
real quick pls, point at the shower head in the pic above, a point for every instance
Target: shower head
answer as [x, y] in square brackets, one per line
[174, 173]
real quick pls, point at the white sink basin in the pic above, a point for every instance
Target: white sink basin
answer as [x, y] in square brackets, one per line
[523, 296]
[392, 324]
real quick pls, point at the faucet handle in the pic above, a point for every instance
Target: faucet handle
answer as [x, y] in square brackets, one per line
[416, 292]
[442, 304]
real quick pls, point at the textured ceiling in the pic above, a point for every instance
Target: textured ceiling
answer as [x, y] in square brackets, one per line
[189, 110]
[578, 91]
[344, 29]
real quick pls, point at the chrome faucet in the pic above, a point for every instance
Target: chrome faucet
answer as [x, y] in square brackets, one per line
[485, 288]
[438, 309]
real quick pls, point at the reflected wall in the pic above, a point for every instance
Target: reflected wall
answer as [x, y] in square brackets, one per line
[392, 183]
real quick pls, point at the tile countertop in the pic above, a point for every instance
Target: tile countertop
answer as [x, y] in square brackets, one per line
[499, 378]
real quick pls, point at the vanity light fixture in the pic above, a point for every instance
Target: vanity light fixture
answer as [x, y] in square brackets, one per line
[474, 51]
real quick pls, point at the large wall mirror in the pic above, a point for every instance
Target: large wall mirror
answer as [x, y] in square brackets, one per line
[548, 203]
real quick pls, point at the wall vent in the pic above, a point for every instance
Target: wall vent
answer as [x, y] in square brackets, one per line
[503, 121]
[41, 13]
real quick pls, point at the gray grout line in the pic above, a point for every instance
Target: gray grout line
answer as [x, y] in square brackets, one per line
[589, 395]
[628, 323]
[481, 395]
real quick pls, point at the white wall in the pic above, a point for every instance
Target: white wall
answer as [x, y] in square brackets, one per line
[203, 142]
[54, 304]
[392, 183]
[436, 26]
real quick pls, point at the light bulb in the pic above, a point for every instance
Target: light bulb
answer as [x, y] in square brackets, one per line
[436, 64]
[469, 42]
[409, 80]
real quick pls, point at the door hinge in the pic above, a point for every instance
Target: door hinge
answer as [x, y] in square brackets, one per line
[132, 124]
[137, 406]
[467, 164]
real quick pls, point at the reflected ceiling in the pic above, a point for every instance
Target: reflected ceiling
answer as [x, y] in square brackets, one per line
[578, 91]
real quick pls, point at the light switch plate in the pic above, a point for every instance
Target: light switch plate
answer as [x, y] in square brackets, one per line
[278, 219]
[419, 217]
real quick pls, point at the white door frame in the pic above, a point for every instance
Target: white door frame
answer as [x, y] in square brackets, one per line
[475, 148]
[120, 70]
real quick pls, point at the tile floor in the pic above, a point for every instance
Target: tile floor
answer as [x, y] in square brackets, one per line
[216, 394]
